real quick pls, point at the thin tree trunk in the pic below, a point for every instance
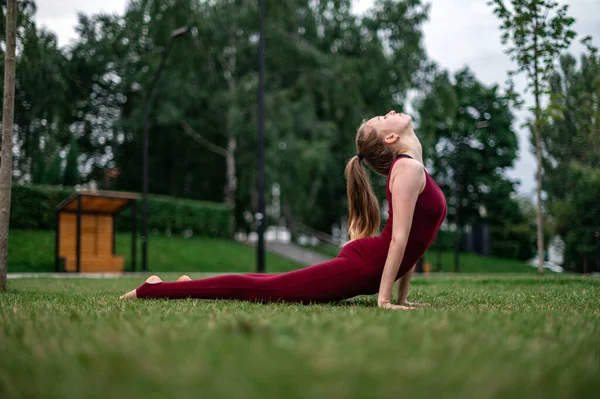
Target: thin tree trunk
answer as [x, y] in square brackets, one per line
[457, 240]
[231, 186]
[538, 153]
[457, 222]
[539, 216]
[7, 137]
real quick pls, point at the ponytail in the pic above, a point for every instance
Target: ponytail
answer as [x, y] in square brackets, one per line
[363, 207]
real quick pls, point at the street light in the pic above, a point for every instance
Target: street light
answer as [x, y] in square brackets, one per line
[260, 216]
[147, 100]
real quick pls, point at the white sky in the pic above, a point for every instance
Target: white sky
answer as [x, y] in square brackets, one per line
[458, 33]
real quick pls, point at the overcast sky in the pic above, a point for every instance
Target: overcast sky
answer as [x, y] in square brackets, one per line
[458, 33]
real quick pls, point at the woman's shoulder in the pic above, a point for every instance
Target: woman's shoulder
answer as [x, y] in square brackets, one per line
[409, 173]
[407, 166]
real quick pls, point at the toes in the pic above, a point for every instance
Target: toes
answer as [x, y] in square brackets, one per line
[184, 278]
[130, 295]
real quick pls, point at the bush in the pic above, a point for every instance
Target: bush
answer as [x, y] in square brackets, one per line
[176, 214]
[33, 208]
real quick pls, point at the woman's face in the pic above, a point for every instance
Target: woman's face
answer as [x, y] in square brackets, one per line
[392, 122]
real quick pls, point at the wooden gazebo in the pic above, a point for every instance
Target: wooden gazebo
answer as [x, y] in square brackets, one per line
[85, 231]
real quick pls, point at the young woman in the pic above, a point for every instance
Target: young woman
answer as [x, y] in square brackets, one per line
[369, 263]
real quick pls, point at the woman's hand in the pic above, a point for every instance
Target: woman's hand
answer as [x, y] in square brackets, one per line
[389, 305]
[415, 304]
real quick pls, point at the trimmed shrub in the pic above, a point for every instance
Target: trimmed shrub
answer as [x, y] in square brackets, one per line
[33, 208]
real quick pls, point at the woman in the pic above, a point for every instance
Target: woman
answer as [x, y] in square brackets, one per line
[368, 264]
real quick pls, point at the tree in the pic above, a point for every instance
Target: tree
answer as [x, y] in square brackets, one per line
[539, 30]
[8, 108]
[571, 141]
[71, 177]
[326, 70]
[576, 218]
[469, 128]
[54, 173]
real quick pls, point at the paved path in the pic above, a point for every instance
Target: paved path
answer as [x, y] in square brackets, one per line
[296, 253]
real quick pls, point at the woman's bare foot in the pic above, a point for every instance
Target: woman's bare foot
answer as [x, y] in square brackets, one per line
[133, 294]
[184, 278]
[153, 280]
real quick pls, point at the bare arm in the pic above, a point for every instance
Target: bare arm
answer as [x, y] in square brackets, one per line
[403, 291]
[403, 286]
[406, 183]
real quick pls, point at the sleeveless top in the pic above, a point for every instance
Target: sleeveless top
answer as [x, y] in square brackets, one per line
[430, 211]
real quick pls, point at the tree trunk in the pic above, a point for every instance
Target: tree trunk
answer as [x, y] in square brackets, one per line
[457, 235]
[457, 240]
[7, 136]
[538, 148]
[231, 186]
[539, 216]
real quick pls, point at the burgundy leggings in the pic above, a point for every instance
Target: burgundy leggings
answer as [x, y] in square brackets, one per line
[334, 280]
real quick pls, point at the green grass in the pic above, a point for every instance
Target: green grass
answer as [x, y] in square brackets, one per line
[473, 263]
[483, 337]
[469, 263]
[33, 251]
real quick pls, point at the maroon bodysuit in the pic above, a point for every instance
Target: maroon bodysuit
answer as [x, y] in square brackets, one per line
[355, 271]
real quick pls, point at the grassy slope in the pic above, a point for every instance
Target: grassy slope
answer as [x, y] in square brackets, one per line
[484, 337]
[469, 263]
[33, 251]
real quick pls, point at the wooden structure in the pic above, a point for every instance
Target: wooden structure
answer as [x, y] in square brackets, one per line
[85, 231]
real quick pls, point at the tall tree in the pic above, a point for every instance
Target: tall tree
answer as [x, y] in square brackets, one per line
[319, 86]
[469, 126]
[39, 100]
[71, 177]
[538, 31]
[8, 108]
[54, 173]
[571, 141]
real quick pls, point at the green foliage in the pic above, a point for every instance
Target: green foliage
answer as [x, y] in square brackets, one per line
[572, 145]
[178, 215]
[39, 99]
[536, 32]
[577, 218]
[468, 130]
[33, 207]
[72, 168]
[54, 173]
[326, 70]
[484, 337]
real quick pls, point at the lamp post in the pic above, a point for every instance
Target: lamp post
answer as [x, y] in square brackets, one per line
[260, 216]
[147, 100]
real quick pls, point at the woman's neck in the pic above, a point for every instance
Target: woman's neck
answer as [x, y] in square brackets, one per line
[411, 146]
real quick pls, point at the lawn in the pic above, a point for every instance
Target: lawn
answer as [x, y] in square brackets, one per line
[483, 337]
[33, 251]
[469, 262]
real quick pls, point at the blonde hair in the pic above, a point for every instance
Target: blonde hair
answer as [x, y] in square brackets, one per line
[363, 207]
